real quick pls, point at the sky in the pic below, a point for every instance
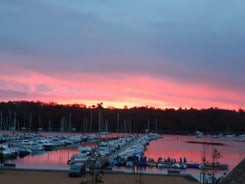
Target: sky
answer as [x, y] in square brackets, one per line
[163, 54]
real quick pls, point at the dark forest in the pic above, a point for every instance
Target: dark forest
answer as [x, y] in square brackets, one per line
[38, 116]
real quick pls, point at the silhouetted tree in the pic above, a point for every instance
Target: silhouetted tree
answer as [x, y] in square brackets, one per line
[132, 120]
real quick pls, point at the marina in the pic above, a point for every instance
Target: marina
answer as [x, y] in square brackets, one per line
[149, 153]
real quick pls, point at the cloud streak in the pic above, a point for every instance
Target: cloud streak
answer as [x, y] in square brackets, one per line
[162, 53]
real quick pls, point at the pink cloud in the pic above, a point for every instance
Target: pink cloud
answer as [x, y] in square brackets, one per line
[116, 90]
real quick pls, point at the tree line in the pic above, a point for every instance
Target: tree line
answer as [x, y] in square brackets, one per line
[38, 116]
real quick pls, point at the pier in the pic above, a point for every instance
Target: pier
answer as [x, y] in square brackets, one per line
[134, 146]
[102, 161]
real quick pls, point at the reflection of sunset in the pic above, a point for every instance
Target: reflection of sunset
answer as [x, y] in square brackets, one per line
[56, 158]
[175, 147]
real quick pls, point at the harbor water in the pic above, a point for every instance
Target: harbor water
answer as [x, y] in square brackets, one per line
[232, 151]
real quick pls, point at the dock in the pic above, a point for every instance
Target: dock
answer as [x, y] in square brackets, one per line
[102, 161]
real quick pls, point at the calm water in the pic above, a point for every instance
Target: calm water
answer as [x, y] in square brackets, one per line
[232, 152]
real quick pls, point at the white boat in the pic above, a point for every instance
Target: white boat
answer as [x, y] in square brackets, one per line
[104, 133]
[242, 136]
[49, 146]
[85, 150]
[9, 153]
[93, 138]
[199, 134]
[230, 135]
[78, 158]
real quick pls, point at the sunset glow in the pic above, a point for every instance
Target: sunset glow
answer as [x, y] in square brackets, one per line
[119, 55]
[132, 91]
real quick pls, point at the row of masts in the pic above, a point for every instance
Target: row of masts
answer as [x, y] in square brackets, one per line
[11, 123]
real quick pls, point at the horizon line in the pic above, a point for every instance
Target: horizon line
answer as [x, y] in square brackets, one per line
[100, 105]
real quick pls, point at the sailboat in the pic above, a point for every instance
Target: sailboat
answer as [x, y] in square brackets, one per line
[39, 124]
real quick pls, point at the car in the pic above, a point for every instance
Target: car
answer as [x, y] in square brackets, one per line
[77, 170]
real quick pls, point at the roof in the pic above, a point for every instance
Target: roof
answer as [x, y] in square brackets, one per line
[237, 175]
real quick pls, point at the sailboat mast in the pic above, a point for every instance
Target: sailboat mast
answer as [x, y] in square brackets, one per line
[14, 122]
[99, 121]
[91, 120]
[70, 127]
[49, 125]
[30, 121]
[118, 122]
[156, 125]
[1, 121]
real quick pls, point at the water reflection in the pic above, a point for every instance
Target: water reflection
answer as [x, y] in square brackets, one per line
[169, 146]
[52, 159]
[180, 146]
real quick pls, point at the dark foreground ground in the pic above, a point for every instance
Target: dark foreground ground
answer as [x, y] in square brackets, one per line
[60, 177]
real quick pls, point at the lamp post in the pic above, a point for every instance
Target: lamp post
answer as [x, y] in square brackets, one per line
[1, 156]
[203, 169]
[93, 170]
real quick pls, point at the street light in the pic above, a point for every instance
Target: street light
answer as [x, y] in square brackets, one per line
[1, 156]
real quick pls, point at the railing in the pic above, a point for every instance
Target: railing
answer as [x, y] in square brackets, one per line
[8, 165]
